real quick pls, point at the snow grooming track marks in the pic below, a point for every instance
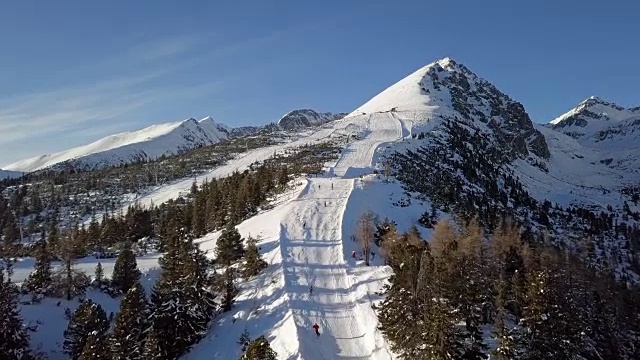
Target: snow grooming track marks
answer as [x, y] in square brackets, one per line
[358, 156]
[313, 254]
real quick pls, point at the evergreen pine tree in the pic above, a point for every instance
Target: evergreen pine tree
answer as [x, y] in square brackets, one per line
[254, 262]
[88, 319]
[53, 234]
[230, 290]
[39, 281]
[98, 275]
[14, 340]
[244, 340]
[95, 348]
[473, 288]
[259, 349]
[110, 235]
[153, 348]
[182, 303]
[8, 242]
[93, 235]
[506, 338]
[125, 270]
[126, 340]
[602, 330]
[229, 246]
[198, 217]
[67, 281]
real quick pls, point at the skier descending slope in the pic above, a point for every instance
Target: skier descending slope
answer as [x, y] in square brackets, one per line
[317, 329]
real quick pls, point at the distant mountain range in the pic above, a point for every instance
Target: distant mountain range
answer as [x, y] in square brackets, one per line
[159, 140]
[146, 144]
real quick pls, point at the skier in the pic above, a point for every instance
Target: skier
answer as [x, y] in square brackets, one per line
[353, 254]
[304, 225]
[331, 186]
[317, 329]
[311, 290]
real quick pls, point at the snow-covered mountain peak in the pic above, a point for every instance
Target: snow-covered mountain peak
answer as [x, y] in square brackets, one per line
[446, 89]
[446, 63]
[590, 117]
[306, 117]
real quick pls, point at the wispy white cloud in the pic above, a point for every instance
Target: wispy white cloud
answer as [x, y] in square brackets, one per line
[158, 49]
[88, 109]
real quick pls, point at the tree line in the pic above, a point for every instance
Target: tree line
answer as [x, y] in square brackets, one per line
[463, 289]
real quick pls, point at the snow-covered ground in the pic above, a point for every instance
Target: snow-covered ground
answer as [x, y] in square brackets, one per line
[24, 267]
[48, 318]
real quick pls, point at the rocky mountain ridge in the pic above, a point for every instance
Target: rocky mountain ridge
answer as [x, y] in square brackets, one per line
[307, 117]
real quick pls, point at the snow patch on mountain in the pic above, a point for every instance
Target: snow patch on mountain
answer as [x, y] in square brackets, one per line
[140, 145]
[306, 117]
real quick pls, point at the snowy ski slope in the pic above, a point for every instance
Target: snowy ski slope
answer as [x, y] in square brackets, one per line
[304, 241]
[313, 255]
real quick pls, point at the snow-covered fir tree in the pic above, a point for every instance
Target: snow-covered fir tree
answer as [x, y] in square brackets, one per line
[96, 348]
[229, 246]
[127, 339]
[182, 302]
[40, 280]
[14, 340]
[259, 349]
[88, 319]
[253, 260]
[125, 271]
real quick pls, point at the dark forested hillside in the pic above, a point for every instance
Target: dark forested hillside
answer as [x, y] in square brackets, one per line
[460, 292]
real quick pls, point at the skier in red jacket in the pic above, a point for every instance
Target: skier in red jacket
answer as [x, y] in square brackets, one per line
[317, 329]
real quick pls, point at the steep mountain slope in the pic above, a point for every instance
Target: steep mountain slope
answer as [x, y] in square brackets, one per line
[449, 91]
[305, 118]
[145, 144]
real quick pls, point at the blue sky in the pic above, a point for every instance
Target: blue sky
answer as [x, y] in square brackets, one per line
[74, 71]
